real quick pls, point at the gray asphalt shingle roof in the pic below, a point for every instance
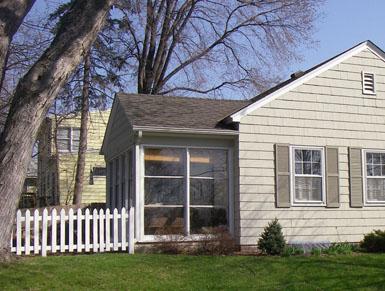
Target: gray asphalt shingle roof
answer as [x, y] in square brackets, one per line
[177, 112]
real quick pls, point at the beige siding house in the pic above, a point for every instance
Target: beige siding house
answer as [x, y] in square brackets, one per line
[53, 177]
[310, 152]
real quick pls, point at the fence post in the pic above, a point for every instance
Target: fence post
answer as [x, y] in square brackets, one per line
[27, 244]
[44, 233]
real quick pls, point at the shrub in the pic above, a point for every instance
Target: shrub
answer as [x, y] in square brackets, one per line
[344, 248]
[169, 241]
[292, 251]
[374, 242]
[272, 241]
[216, 241]
[316, 251]
[213, 241]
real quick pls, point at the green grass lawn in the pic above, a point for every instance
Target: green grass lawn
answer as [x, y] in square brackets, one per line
[167, 272]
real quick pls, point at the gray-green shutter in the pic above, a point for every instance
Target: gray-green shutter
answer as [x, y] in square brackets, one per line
[332, 178]
[282, 175]
[355, 173]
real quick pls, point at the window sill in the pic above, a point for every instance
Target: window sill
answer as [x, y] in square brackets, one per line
[175, 237]
[374, 204]
[321, 204]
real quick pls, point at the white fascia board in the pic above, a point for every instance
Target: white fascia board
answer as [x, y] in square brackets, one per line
[236, 117]
[185, 130]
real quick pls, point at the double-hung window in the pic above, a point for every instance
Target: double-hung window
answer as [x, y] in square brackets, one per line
[68, 139]
[308, 177]
[185, 190]
[374, 177]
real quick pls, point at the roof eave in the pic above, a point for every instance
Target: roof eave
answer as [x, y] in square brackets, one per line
[159, 129]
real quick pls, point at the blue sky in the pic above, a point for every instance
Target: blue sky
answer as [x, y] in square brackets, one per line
[344, 24]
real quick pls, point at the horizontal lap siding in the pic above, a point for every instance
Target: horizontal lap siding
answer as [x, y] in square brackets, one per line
[328, 110]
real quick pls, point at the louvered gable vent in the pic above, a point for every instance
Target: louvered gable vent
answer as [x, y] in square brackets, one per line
[368, 83]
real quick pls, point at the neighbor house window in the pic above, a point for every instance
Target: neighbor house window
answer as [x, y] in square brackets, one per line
[68, 139]
[307, 175]
[375, 177]
[180, 182]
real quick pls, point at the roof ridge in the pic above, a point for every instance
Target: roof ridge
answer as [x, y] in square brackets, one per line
[180, 97]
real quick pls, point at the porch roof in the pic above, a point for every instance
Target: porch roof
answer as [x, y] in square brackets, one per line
[178, 112]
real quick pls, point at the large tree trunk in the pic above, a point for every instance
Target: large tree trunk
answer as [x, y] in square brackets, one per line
[85, 105]
[12, 13]
[56, 191]
[35, 94]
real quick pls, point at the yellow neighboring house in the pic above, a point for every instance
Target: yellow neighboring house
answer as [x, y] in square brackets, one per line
[60, 164]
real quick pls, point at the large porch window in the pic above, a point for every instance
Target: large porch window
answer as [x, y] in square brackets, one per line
[185, 190]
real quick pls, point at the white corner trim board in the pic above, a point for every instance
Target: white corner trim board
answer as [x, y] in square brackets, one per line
[236, 117]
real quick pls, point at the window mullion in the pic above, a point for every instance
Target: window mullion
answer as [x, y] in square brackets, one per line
[187, 193]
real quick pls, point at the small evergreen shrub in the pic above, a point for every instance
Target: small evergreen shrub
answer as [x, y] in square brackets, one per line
[272, 241]
[374, 242]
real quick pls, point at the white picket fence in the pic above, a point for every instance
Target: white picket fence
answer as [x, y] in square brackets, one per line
[99, 231]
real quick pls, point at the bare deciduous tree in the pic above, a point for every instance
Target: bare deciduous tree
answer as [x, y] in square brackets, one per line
[34, 96]
[85, 107]
[12, 13]
[206, 46]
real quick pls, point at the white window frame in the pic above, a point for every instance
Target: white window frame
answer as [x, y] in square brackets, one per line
[70, 139]
[367, 202]
[321, 202]
[368, 92]
[140, 202]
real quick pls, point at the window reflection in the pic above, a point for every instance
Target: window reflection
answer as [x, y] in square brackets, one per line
[165, 189]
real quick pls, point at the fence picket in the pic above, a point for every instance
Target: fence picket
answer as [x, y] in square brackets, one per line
[62, 230]
[131, 230]
[108, 233]
[71, 230]
[101, 230]
[115, 229]
[123, 217]
[44, 233]
[27, 244]
[79, 227]
[87, 230]
[13, 249]
[53, 230]
[95, 231]
[36, 232]
[18, 232]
